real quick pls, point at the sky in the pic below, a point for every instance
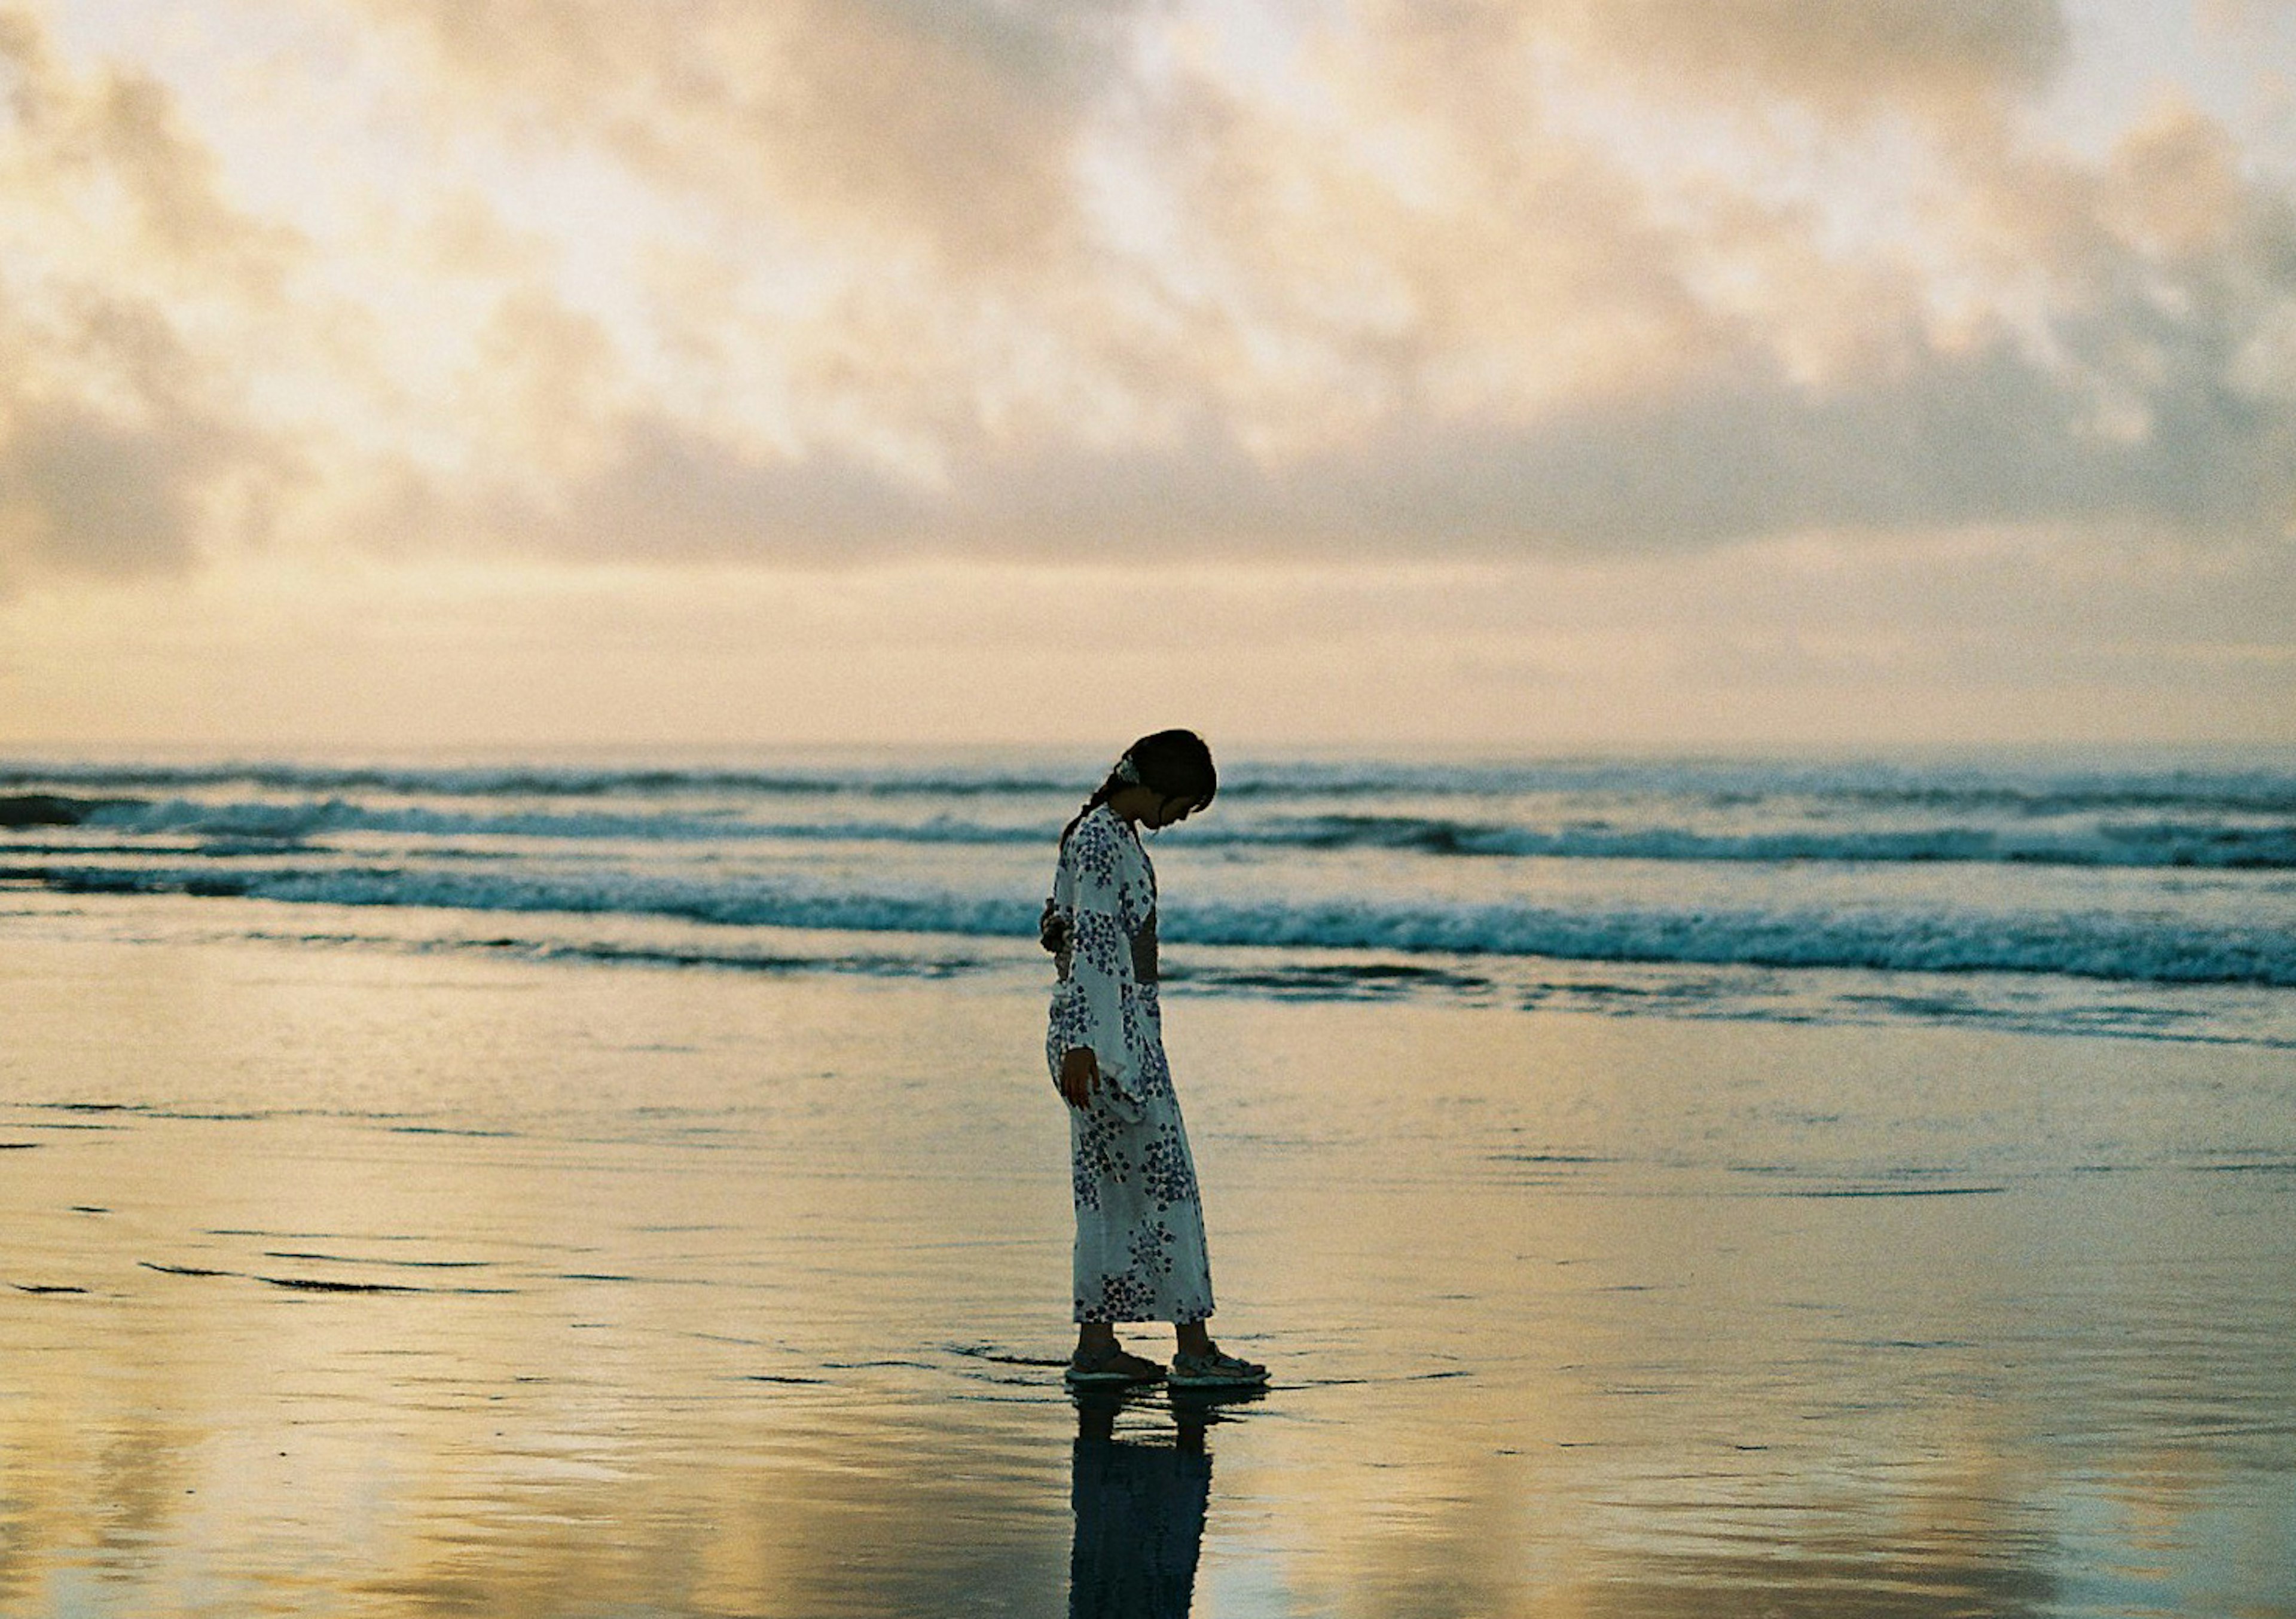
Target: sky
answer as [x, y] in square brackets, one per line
[1531, 375]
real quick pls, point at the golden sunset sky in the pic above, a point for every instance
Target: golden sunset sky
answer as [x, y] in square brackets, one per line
[1504, 373]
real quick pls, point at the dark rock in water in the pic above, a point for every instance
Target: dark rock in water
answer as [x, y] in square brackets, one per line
[42, 809]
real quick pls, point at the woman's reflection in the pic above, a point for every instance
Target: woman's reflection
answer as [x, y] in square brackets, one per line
[1139, 1504]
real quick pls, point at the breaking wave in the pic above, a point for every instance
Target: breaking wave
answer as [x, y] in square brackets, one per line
[2080, 943]
[2137, 843]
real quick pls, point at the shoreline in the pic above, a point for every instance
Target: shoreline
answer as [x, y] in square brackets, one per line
[2047, 1004]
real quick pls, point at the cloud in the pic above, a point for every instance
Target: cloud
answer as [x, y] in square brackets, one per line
[110, 463]
[1981, 439]
[1509, 343]
[92, 494]
[938, 126]
[116, 446]
[1835, 55]
[834, 280]
[665, 493]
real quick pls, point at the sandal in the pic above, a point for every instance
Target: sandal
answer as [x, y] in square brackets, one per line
[1101, 1369]
[1216, 1371]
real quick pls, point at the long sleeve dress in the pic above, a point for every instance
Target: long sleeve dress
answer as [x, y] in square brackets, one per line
[1140, 1253]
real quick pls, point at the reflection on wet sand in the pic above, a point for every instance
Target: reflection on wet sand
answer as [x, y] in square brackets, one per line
[1139, 1499]
[1139, 1506]
[366, 1286]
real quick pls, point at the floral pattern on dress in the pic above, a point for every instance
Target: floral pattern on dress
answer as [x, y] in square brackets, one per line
[1151, 1250]
[1166, 1173]
[1140, 1252]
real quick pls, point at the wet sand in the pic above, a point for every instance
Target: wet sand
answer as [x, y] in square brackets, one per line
[354, 1282]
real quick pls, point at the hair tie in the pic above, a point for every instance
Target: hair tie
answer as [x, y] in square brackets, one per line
[1127, 771]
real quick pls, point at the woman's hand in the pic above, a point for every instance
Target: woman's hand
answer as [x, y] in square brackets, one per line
[1080, 1073]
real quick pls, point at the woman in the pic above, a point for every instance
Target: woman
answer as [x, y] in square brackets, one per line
[1140, 1227]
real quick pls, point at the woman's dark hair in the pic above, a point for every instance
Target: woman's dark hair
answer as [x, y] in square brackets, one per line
[1170, 764]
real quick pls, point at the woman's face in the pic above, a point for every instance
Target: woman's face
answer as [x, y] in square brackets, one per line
[1168, 811]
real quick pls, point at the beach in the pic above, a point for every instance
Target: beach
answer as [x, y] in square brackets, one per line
[365, 1279]
[1655, 643]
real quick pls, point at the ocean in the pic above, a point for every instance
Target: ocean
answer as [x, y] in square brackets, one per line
[2152, 898]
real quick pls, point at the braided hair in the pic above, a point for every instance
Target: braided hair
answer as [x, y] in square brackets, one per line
[1170, 764]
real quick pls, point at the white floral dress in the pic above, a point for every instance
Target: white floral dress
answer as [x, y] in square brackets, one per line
[1139, 1251]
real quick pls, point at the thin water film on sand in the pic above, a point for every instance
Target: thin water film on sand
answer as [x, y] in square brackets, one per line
[381, 1283]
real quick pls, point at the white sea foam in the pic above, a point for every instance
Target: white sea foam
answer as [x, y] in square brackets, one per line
[2079, 943]
[2021, 789]
[2167, 874]
[2193, 839]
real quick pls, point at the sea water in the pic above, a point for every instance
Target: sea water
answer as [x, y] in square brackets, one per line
[2152, 896]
